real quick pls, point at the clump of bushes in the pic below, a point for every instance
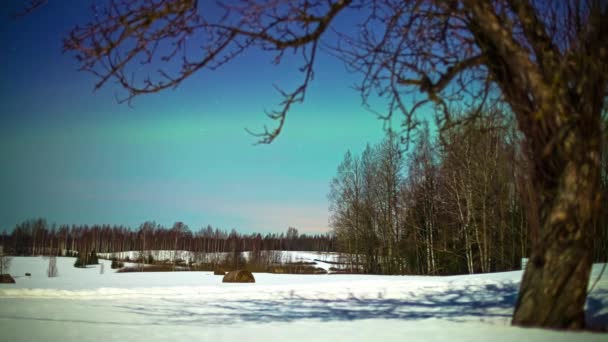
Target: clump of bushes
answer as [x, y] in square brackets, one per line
[116, 264]
[296, 268]
[85, 259]
[334, 270]
[151, 268]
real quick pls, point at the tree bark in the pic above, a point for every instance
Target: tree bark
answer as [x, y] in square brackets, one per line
[554, 287]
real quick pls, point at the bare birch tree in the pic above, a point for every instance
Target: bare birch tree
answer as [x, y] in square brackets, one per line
[5, 261]
[51, 271]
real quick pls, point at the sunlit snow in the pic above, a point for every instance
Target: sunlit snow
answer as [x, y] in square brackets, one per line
[83, 305]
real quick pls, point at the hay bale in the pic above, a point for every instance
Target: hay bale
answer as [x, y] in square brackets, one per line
[240, 276]
[219, 271]
[6, 279]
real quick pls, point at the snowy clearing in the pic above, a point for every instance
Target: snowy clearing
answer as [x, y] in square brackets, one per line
[84, 305]
[324, 260]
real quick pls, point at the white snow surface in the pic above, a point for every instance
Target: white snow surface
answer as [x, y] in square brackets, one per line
[84, 305]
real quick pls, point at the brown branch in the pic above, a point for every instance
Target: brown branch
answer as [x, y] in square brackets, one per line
[486, 25]
[32, 6]
[281, 44]
[546, 52]
[125, 32]
[432, 89]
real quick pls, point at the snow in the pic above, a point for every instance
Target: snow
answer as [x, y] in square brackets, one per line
[84, 305]
[324, 260]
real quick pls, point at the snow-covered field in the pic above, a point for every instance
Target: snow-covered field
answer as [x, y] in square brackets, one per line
[321, 260]
[84, 305]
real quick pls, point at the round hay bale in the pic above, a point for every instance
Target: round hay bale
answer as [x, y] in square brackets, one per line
[6, 279]
[240, 276]
[219, 271]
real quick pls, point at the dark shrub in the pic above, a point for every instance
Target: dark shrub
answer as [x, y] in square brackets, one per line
[219, 271]
[180, 262]
[207, 267]
[297, 268]
[240, 276]
[152, 268]
[6, 279]
[93, 258]
[116, 264]
[83, 259]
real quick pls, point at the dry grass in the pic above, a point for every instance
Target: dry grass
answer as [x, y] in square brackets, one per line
[240, 276]
[6, 279]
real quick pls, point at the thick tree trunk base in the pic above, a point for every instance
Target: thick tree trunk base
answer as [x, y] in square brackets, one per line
[554, 286]
[554, 290]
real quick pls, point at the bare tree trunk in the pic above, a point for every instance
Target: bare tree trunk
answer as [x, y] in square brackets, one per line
[554, 287]
[432, 248]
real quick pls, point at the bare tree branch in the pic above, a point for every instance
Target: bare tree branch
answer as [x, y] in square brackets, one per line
[30, 7]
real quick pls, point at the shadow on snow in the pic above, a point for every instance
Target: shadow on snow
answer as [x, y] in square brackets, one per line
[491, 301]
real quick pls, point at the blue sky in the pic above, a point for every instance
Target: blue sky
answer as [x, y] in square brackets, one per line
[72, 155]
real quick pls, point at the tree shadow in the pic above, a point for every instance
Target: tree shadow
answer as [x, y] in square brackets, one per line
[455, 304]
[492, 302]
[596, 310]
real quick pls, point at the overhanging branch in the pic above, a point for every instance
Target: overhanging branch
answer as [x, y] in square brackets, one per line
[432, 89]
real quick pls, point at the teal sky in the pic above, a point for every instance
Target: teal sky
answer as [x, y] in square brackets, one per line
[72, 155]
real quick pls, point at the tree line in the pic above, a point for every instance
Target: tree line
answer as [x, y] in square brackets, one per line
[37, 237]
[459, 201]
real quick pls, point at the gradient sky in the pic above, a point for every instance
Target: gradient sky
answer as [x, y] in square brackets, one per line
[72, 155]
